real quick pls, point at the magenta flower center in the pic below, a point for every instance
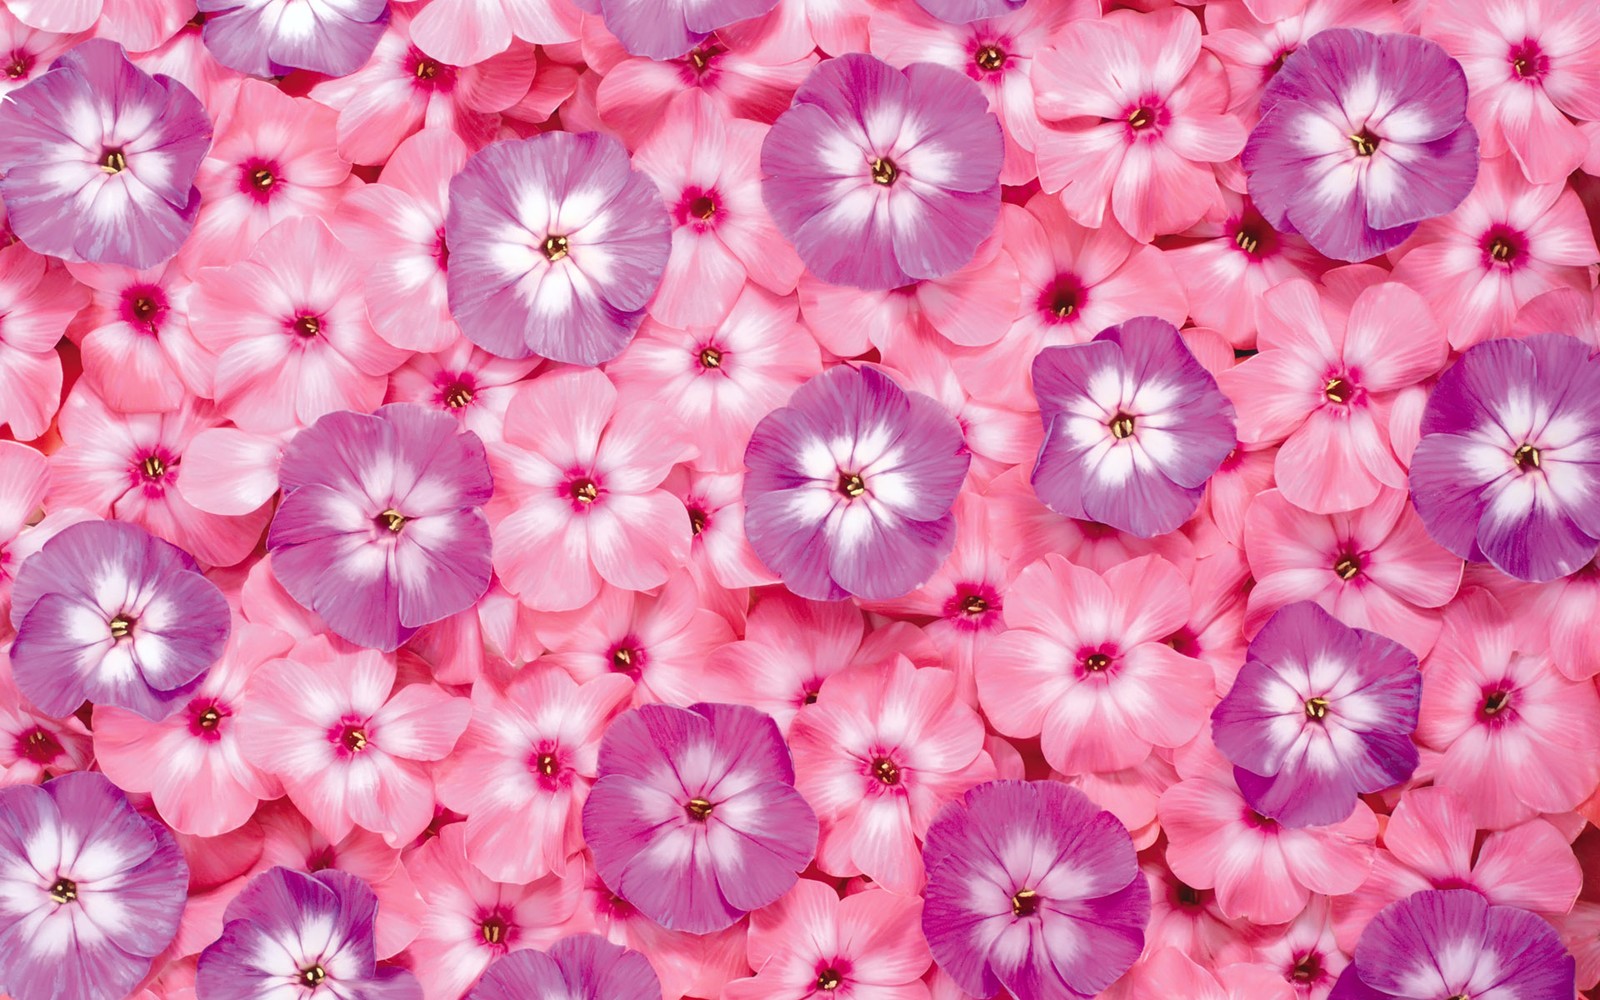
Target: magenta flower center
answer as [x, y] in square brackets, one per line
[990, 58]
[1348, 566]
[1025, 903]
[429, 74]
[258, 178]
[1254, 238]
[205, 718]
[585, 491]
[1096, 663]
[701, 56]
[1495, 702]
[698, 519]
[697, 207]
[354, 738]
[1528, 61]
[710, 358]
[546, 764]
[1503, 245]
[886, 771]
[441, 249]
[457, 396]
[1188, 896]
[1063, 298]
[142, 306]
[39, 746]
[64, 891]
[20, 64]
[1308, 969]
[1141, 118]
[306, 325]
[495, 929]
[1338, 389]
[829, 979]
[626, 657]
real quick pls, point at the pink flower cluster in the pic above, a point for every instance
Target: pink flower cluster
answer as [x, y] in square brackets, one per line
[799, 499]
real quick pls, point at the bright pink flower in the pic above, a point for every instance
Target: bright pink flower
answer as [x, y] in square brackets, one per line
[34, 746]
[38, 298]
[350, 747]
[867, 945]
[139, 353]
[1170, 972]
[1139, 113]
[523, 768]
[1373, 568]
[1325, 378]
[462, 380]
[292, 342]
[1533, 67]
[192, 762]
[472, 920]
[579, 498]
[878, 755]
[722, 378]
[469, 32]
[1514, 737]
[1507, 243]
[1084, 664]
[127, 466]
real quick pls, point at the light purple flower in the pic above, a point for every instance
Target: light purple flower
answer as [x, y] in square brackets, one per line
[1033, 888]
[1133, 428]
[99, 159]
[880, 176]
[1508, 468]
[380, 531]
[1319, 714]
[291, 934]
[665, 29]
[271, 37]
[90, 891]
[1452, 943]
[584, 967]
[556, 246]
[108, 613]
[1361, 137]
[851, 485]
[694, 818]
[963, 11]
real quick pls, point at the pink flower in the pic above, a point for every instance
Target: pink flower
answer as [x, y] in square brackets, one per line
[1373, 568]
[1139, 113]
[1169, 972]
[812, 943]
[464, 381]
[468, 32]
[37, 300]
[33, 746]
[878, 754]
[1083, 664]
[1190, 919]
[579, 498]
[523, 768]
[721, 560]
[1514, 737]
[30, 51]
[1304, 954]
[139, 353]
[291, 342]
[24, 484]
[350, 747]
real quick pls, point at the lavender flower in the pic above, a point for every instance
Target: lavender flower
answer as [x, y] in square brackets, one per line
[556, 246]
[963, 11]
[880, 176]
[1134, 427]
[379, 531]
[584, 967]
[1362, 136]
[665, 29]
[271, 37]
[90, 891]
[851, 485]
[107, 612]
[99, 159]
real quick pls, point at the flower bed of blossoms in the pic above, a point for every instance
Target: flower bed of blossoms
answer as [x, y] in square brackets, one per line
[799, 499]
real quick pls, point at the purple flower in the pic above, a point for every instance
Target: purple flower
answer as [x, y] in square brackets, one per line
[1507, 467]
[293, 934]
[850, 487]
[1362, 136]
[99, 159]
[1452, 943]
[271, 37]
[665, 29]
[1319, 714]
[1133, 428]
[379, 531]
[1033, 888]
[693, 817]
[556, 246]
[585, 967]
[90, 891]
[881, 177]
[963, 11]
[108, 613]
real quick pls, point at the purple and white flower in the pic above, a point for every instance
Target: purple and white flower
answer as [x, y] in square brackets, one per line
[1361, 137]
[1453, 943]
[1319, 714]
[90, 891]
[881, 177]
[1133, 428]
[694, 818]
[1034, 889]
[107, 612]
[292, 934]
[380, 531]
[851, 485]
[99, 160]
[271, 37]
[963, 11]
[1508, 468]
[666, 29]
[583, 967]
[556, 246]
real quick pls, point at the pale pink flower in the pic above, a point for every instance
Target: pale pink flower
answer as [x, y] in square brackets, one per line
[468, 32]
[1170, 972]
[796, 27]
[464, 381]
[138, 352]
[38, 298]
[26, 51]
[33, 746]
[24, 484]
[720, 557]
[1190, 919]
[1304, 955]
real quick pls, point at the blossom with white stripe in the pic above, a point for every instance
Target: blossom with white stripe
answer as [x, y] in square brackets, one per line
[1361, 138]
[663, 29]
[271, 37]
[581, 967]
[90, 891]
[1134, 426]
[1506, 469]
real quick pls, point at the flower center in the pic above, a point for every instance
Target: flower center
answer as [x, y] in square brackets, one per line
[120, 626]
[1348, 567]
[1121, 426]
[393, 520]
[427, 69]
[143, 308]
[710, 357]
[585, 491]
[1501, 249]
[546, 764]
[1141, 118]
[810, 698]
[1495, 702]
[990, 58]
[1096, 662]
[113, 161]
[1364, 142]
[974, 605]
[1526, 457]
[313, 976]
[64, 890]
[1336, 390]
[703, 207]
[354, 739]
[697, 520]
[261, 179]
[1307, 969]
[701, 55]
[829, 980]
[1025, 903]
[622, 658]
[1188, 895]
[698, 809]
[154, 467]
[457, 396]
[1316, 708]
[851, 484]
[886, 770]
[1528, 61]
[209, 719]
[19, 65]
[1063, 297]
[884, 171]
[307, 326]
[493, 929]
[556, 248]
[40, 747]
